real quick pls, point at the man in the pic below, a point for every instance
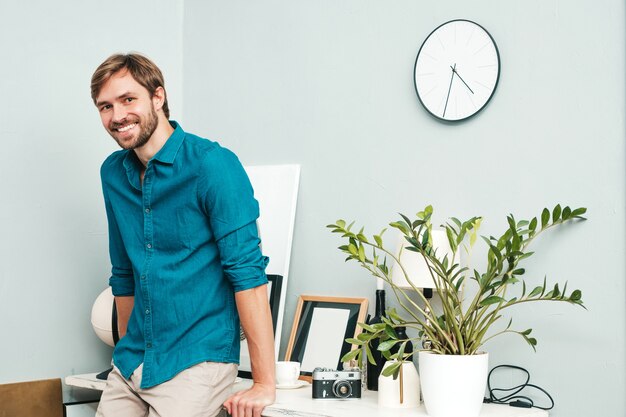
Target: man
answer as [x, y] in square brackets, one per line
[186, 263]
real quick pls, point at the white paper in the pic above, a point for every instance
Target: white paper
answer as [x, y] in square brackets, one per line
[326, 337]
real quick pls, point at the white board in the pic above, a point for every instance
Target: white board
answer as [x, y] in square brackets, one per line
[276, 190]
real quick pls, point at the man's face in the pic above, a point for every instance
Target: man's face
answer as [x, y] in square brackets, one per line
[127, 111]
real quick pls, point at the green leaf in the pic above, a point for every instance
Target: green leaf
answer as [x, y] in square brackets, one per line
[495, 251]
[341, 223]
[417, 223]
[391, 332]
[556, 213]
[393, 314]
[451, 241]
[578, 212]
[386, 322]
[405, 218]
[400, 226]
[492, 299]
[576, 295]
[566, 213]
[379, 326]
[511, 301]
[350, 355]
[370, 357]
[391, 369]
[365, 336]
[545, 217]
[511, 221]
[386, 345]
[367, 327]
[458, 284]
[353, 250]
[361, 253]
[379, 241]
[353, 341]
[509, 325]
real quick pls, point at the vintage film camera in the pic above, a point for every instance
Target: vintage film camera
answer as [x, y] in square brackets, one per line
[332, 384]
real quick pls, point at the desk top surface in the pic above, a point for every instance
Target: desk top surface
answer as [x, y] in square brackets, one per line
[299, 403]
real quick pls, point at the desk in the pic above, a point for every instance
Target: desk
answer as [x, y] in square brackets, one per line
[298, 403]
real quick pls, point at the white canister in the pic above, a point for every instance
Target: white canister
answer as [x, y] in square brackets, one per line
[402, 392]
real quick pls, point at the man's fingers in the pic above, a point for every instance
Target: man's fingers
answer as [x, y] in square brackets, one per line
[241, 409]
[248, 403]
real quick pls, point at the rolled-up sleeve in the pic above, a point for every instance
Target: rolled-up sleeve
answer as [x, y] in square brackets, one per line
[228, 199]
[241, 258]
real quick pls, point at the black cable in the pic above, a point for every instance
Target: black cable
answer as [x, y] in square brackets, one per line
[514, 399]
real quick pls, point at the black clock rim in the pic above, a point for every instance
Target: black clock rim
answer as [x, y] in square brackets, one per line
[495, 87]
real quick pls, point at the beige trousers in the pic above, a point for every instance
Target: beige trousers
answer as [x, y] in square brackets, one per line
[198, 391]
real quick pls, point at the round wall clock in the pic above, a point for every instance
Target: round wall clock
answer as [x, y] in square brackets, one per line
[457, 70]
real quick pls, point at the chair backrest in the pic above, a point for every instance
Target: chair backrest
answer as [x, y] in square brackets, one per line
[32, 399]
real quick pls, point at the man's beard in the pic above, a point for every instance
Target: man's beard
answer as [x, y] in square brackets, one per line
[146, 129]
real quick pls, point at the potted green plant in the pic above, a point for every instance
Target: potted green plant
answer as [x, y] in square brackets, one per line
[456, 329]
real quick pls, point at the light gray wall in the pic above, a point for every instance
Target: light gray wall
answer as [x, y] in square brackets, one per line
[328, 84]
[53, 243]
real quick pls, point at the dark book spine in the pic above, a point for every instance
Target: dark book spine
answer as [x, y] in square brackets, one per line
[373, 371]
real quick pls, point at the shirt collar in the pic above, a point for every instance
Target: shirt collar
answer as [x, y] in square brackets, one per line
[166, 155]
[168, 152]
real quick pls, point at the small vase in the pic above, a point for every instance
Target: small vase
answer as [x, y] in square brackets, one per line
[453, 385]
[402, 392]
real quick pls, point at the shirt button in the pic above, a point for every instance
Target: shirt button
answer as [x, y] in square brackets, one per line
[148, 345]
[148, 211]
[143, 277]
[149, 246]
[147, 311]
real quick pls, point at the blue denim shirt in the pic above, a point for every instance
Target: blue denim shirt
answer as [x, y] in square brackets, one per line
[182, 243]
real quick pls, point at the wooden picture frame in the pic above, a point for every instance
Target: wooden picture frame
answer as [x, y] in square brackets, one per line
[320, 327]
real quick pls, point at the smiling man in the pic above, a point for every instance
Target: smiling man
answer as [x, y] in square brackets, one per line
[186, 263]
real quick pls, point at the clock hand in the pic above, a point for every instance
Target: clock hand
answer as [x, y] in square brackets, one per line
[449, 88]
[457, 74]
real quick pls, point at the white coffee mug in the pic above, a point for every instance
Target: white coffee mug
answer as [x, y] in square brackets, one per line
[287, 373]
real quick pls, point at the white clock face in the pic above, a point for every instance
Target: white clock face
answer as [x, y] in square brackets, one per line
[457, 70]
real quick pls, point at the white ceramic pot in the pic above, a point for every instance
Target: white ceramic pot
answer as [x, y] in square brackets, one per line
[402, 392]
[453, 385]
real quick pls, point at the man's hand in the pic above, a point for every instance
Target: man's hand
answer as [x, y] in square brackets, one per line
[250, 402]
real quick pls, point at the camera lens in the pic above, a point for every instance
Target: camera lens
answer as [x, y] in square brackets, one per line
[342, 389]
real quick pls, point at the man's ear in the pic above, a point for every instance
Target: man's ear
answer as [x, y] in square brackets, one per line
[158, 98]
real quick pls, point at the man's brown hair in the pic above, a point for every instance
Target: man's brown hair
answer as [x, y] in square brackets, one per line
[143, 70]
